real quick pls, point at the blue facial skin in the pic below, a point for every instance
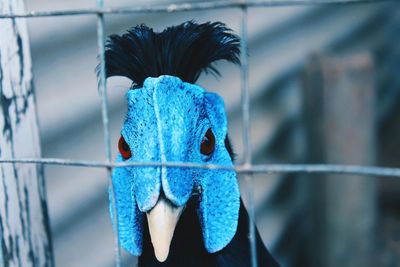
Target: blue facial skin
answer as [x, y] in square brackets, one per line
[166, 121]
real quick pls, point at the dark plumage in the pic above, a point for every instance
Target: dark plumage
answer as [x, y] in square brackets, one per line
[183, 51]
[229, 148]
[187, 247]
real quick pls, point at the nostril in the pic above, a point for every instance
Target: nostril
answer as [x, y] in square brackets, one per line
[197, 192]
[197, 189]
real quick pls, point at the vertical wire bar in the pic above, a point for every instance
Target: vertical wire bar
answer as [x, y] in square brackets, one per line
[106, 129]
[250, 210]
[245, 102]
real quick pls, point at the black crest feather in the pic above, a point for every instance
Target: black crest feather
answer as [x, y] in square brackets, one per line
[183, 51]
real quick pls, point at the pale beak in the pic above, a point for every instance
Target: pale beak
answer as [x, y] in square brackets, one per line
[162, 220]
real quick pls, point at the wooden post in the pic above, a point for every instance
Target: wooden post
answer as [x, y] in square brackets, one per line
[339, 113]
[24, 223]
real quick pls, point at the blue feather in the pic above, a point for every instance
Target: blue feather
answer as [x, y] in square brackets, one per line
[156, 131]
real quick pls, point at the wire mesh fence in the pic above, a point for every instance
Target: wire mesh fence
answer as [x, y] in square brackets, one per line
[246, 167]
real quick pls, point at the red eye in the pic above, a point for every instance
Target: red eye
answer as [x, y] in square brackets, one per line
[124, 148]
[208, 143]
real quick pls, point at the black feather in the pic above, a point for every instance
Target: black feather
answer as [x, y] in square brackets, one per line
[184, 51]
[187, 247]
[229, 148]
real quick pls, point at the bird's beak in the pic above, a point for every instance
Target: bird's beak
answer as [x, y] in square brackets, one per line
[162, 220]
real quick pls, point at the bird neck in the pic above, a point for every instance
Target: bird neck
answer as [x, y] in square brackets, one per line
[187, 246]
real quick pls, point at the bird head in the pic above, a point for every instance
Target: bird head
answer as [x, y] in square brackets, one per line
[171, 119]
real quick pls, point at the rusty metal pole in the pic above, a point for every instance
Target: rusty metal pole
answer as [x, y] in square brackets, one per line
[340, 117]
[24, 223]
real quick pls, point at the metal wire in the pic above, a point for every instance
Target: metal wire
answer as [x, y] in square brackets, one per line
[245, 99]
[106, 128]
[245, 103]
[242, 169]
[189, 6]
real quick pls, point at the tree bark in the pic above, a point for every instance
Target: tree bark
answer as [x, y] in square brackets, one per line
[24, 223]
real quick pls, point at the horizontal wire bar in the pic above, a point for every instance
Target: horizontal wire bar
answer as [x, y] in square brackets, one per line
[245, 169]
[189, 6]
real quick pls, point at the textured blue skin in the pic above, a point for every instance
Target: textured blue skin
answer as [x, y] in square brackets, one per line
[166, 121]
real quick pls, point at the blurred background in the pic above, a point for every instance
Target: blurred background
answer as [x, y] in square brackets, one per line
[324, 88]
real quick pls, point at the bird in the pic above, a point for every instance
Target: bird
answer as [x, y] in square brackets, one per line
[170, 215]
